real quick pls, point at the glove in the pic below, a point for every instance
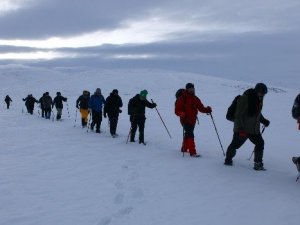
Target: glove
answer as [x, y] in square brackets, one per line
[208, 109]
[154, 104]
[120, 111]
[266, 122]
[243, 134]
[104, 115]
[131, 119]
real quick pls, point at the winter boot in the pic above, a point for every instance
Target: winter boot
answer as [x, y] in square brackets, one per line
[83, 122]
[258, 166]
[228, 162]
[184, 146]
[190, 147]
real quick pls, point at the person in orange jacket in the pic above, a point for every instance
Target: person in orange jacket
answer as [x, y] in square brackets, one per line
[187, 107]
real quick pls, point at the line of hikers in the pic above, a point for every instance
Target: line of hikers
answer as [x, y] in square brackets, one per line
[244, 112]
[46, 104]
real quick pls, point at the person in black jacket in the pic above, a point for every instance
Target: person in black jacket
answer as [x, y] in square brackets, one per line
[82, 104]
[47, 104]
[58, 103]
[41, 104]
[112, 109]
[136, 109]
[7, 101]
[29, 103]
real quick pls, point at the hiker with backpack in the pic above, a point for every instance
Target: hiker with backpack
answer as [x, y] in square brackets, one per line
[82, 103]
[136, 110]
[96, 103]
[296, 116]
[112, 110]
[187, 106]
[29, 103]
[7, 101]
[58, 103]
[41, 105]
[47, 104]
[247, 119]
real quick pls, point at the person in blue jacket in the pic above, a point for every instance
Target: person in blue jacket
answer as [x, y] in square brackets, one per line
[96, 103]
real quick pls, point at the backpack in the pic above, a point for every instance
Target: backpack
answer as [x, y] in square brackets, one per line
[296, 108]
[231, 109]
[178, 93]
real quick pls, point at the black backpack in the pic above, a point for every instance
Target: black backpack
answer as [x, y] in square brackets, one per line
[296, 108]
[178, 93]
[231, 109]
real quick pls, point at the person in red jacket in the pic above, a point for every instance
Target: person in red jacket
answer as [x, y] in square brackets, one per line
[187, 107]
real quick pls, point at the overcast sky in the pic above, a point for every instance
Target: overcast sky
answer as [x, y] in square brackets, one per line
[213, 31]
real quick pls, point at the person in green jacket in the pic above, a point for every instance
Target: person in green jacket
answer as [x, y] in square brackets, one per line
[247, 121]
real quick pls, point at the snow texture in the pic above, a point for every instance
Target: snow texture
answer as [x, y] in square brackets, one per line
[56, 173]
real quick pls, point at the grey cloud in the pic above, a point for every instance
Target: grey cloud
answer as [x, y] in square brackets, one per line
[48, 18]
[69, 17]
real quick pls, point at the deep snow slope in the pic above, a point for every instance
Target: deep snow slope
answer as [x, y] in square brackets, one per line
[56, 173]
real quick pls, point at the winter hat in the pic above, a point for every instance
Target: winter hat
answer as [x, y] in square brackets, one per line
[189, 85]
[261, 88]
[98, 90]
[144, 93]
[115, 91]
[58, 93]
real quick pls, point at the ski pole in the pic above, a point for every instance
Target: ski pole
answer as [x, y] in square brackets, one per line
[217, 132]
[89, 123]
[75, 117]
[162, 120]
[262, 131]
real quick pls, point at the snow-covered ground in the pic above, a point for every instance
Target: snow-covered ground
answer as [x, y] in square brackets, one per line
[56, 173]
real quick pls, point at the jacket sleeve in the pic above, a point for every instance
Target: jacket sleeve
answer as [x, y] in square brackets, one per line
[106, 106]
[149, 104]
[120, 102]
[77, 101]
[200, 106]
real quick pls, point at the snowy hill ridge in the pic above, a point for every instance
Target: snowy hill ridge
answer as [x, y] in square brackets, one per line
[53, 173]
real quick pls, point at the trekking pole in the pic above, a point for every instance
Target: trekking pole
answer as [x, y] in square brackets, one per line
[68, 110]
[89, 123]
[53, 115]
[75, 117]
[217, 132]
[128, 134]
[262, 131]
[162, 120]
